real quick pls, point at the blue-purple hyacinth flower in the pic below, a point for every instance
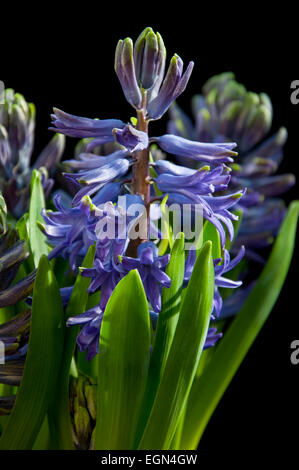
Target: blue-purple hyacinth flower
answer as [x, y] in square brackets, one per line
[88, 338]
[223, 282]
[130, 138]
[200, 151]
[260, 224]
[69, 230]
[151, 268]
[173, 86]
[229, 308]
[75, 126]
[212, 337]
[125, 171]
[100, 175]
[226, 111]
[221, 267]
[106, 273]
[187, 186]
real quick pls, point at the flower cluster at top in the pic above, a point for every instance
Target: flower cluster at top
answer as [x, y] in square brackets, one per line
[99, 177]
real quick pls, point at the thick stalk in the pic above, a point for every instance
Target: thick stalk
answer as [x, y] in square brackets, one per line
[140, 183]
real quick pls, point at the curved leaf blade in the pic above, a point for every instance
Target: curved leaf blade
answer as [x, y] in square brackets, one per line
[59, 415]
[38, 241]
[211, 233]
[166, 326]
[184, 355]
[123, 364]
[209, 387]
[42, 364]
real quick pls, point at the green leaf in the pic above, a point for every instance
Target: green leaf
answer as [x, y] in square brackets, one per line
[123, 364]
[42, 364]
[23, 231]
[38, 241]
[184, 355]
[6, 313]
[166, 326]
[209, 387]
[59, 416]
[166, 229]
[171, 299]
[23, 227]
[42, 441]
[61, 267]
[211, 233]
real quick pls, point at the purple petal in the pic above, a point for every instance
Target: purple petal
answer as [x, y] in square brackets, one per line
[76, 126]
[130, 138]
[174, 84]
[161, 277]
[201, 151]
[125, 70]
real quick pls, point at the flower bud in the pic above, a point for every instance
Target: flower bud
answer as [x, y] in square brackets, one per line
[92, 440]
[257, 125]
[51, 154]
[149, 58]
[17, 125]
[217, 81]
[90, 392]
[125, 70]
[173, 86]
[5, 152]
[82, 425]
[17, 128]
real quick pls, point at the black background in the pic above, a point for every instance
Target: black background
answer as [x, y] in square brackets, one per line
[67, 61]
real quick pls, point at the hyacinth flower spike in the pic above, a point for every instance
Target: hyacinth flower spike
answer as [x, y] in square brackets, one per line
[140, 68]
[128, 372]
[17, 127]
[227, 111]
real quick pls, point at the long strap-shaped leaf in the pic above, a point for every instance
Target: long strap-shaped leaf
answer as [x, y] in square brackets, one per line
[211, 233]
[38, 241]
[59, 415]
[166, 326]
[184, 355]
[42, 364]
[123, 364]
[210, 386]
